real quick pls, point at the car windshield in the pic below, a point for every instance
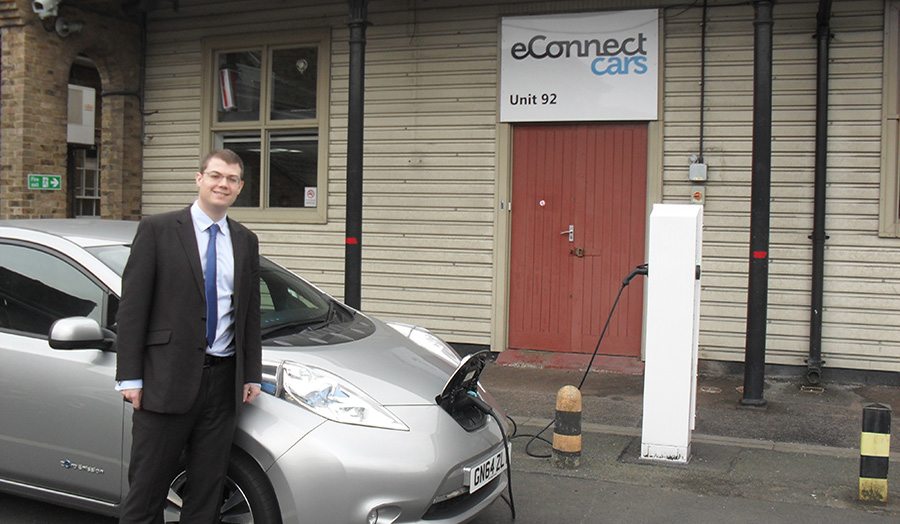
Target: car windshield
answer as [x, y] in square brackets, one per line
[286, 301]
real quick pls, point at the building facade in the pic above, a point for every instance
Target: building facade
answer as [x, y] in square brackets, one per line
[467, 211]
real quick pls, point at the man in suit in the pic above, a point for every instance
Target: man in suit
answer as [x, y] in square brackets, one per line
[189, 346]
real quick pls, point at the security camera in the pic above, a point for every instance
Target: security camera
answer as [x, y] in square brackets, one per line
[45, 8]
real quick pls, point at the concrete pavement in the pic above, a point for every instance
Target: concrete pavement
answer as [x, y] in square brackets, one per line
[801, 451]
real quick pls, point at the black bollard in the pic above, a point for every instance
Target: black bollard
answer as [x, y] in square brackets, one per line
[567, 431]
[874, 451]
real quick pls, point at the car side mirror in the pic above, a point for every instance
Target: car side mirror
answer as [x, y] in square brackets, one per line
[78, 333]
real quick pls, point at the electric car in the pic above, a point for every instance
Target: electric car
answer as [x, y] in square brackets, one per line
[361, 421]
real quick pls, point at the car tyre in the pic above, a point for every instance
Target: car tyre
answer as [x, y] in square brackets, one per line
[248, 495]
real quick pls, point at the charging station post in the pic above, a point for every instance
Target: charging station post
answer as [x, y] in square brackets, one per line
[673, 317]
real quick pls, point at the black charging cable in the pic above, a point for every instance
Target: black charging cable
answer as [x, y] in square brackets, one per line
[486, 408]
[642, 269]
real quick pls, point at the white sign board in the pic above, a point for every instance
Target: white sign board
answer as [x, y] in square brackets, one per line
[82, 102]
[580, 67]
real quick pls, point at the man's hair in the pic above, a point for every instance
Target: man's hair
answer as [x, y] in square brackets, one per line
[225, 155]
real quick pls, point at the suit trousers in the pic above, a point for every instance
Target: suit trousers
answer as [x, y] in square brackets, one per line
[203, 436]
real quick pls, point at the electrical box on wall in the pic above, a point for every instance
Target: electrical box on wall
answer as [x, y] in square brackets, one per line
[82, 108]
[697, 172]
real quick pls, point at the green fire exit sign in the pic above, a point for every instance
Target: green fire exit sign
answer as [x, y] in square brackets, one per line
[50, 182]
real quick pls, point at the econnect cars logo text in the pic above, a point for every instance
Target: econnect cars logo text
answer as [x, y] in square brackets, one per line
[612, 57]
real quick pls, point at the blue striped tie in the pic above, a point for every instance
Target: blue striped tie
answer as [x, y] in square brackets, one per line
[212, 301]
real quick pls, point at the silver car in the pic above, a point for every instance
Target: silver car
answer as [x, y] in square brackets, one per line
[362, 421]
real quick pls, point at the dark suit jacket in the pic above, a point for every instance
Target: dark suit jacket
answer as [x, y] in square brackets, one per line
[162, 315]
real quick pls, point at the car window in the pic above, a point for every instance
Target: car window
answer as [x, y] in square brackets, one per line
[38, 288]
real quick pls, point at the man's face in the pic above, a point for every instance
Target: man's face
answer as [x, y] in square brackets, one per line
[219, 185]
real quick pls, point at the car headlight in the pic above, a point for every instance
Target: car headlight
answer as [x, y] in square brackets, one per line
[429, 341]
[332, 397]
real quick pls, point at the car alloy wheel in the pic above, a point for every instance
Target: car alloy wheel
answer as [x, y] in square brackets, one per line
[248, 497]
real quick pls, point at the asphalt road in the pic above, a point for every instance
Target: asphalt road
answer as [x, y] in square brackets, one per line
[542, 498]
[17, 510]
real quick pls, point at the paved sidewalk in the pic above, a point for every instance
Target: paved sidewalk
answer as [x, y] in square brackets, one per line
[803, 448]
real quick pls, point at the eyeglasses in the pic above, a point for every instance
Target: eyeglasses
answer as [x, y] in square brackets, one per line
[217, 177]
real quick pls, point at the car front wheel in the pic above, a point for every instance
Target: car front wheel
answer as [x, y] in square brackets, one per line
[248, 497]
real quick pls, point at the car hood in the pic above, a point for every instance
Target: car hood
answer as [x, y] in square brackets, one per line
[386, 365]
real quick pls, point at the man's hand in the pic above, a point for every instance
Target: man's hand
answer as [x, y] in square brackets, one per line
[133, 396]
[251, 391]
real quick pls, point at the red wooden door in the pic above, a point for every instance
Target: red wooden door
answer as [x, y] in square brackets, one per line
[590, 178]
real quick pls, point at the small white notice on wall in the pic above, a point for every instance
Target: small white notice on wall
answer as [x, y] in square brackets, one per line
[309, 197]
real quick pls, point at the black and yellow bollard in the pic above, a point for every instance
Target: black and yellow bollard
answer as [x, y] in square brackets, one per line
[874, 453]
[567, 431]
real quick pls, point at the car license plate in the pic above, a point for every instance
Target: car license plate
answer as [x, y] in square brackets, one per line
[482, 474]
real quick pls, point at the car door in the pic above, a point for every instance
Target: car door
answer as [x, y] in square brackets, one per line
[61, 421]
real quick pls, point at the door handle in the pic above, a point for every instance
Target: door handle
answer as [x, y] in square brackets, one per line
[570, 232]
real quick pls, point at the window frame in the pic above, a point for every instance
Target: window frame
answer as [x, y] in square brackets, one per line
[889, 195]
[211, 129]
[79, 189]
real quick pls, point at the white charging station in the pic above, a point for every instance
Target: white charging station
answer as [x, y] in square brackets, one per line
[673, 319]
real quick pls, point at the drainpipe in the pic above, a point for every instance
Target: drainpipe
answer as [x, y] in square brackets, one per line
[355, 110]
[758, 281]
[823, 36]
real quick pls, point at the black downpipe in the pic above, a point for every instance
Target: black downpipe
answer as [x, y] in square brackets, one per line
[758, 281]
[355, 112]
[702, 79]
[823, 37]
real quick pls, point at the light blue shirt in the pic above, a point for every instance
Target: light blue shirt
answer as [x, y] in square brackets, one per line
[223, 345]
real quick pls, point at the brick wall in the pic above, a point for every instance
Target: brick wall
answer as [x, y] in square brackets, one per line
[33, 109]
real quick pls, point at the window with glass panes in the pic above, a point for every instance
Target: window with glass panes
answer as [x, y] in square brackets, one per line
[86, 179]
[267, 108]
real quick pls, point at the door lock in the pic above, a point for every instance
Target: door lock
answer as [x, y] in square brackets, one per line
[579, 252]
[570, 232]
